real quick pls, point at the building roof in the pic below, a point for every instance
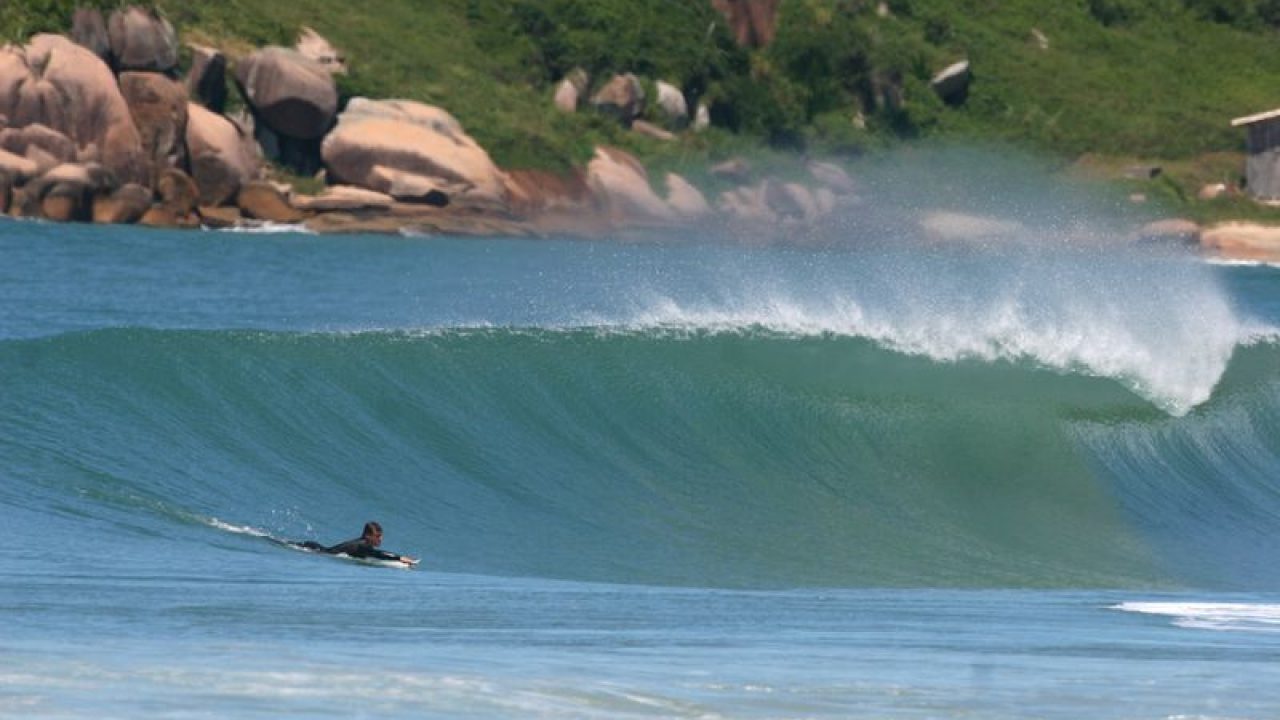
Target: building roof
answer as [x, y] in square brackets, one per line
[1251, 119]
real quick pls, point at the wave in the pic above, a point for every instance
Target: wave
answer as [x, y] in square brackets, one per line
[675, 453]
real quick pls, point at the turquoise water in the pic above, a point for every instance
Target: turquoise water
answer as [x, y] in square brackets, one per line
[884, 477]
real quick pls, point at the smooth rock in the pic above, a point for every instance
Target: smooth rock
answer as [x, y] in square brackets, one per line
[220, 217]
[263, 201]
[621, 187]
[124, 206]
[345, 197]
[672, 103]
[222, 157]
[177, 191]
[142, 40]
[16, 168]
[685, 199]
[19, 140]
[1242, 241]
[293, 94]
[89, 30]
[407, 149]
[571, 89]
[57, 83]
[158, 105]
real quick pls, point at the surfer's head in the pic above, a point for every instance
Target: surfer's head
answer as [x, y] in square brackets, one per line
[372, 532]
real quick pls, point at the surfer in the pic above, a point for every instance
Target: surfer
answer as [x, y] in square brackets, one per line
[364, 547]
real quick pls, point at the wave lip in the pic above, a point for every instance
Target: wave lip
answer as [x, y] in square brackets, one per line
[1173, 364]
[1212, 616]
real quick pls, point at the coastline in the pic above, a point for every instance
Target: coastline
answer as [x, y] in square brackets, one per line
[165, 151]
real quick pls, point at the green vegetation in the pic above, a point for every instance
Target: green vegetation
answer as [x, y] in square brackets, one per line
[1152, 79]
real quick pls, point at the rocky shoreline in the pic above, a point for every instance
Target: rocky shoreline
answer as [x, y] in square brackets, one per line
[100, 126]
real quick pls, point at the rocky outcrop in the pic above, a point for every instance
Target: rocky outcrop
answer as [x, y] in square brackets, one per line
[621, 187]
[413, 152]
[57, 83]
[622, 98]
[159, 109]
[142, 40]
[207, 78]
[753, 23]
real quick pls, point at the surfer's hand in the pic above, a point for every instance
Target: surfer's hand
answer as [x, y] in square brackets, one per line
[407, 559]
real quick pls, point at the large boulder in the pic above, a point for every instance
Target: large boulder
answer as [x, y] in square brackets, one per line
[222, 156]
[207, 78]
[159, 108]
[313, 45]
[293, 94]
[752, 22]
[59, 84]
[413, 152]
[622, 97]
[142, 40]
[89, 30]
[621, 187]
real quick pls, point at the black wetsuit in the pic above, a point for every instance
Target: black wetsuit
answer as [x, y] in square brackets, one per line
[357, 548]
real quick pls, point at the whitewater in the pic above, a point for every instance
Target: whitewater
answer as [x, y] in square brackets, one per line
[873, 470]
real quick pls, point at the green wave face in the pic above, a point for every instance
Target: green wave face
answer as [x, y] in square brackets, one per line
[707, 458]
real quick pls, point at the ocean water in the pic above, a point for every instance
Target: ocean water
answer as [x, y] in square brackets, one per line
[886, 476]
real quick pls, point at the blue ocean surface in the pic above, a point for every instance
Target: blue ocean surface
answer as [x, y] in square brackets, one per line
[894, 476]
